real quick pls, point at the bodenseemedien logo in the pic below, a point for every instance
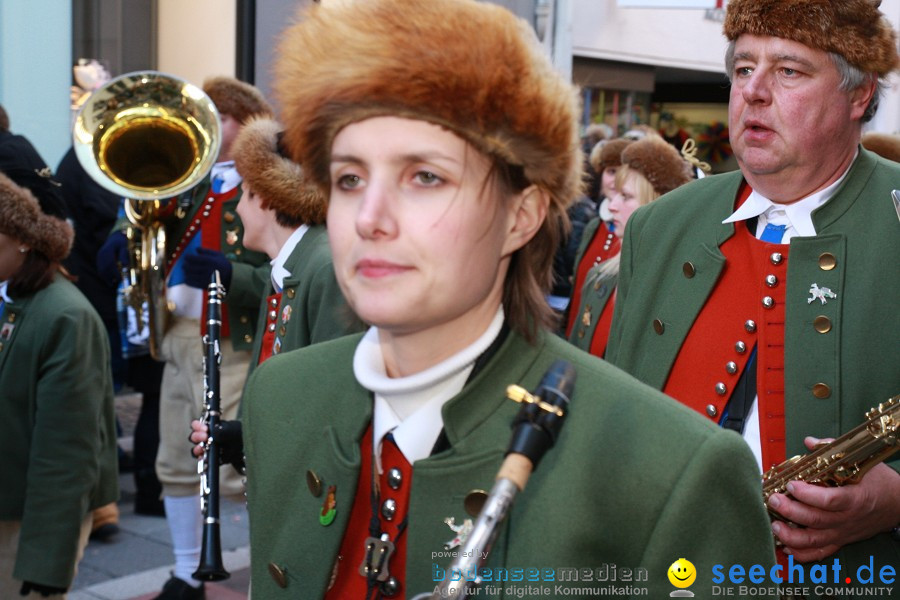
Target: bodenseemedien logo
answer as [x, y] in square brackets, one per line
[682, 574]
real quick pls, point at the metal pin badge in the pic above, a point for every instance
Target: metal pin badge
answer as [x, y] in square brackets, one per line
[822, 294]
[329, 508]
[462, 532]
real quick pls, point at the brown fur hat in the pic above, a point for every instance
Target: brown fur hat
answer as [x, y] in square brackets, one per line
[659, 162]
[855, 29]
[608, 154]
[236, 98]
[21, 218]
[278, 180]
[471, 67]
[883, 144]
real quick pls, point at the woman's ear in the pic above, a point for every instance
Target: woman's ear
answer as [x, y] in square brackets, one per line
[528, 209]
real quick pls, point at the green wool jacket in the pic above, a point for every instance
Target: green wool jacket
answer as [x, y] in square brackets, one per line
[250, 269]
[596, 292]
[318, 311]
[632, 482]
[856, 358]
[57, 427]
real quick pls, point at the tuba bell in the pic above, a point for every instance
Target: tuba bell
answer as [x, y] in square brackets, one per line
[147, 137]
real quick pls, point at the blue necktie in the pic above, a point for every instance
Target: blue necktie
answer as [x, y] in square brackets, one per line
[773, 233]
[217, 182]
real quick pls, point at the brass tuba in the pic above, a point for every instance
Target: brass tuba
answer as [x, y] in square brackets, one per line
[147, 137]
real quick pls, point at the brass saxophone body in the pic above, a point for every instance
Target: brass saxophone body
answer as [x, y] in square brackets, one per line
[844, 460]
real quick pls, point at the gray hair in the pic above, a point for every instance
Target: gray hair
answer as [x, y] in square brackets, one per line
[851, 78]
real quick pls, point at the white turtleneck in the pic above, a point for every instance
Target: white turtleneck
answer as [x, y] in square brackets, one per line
[410, 407]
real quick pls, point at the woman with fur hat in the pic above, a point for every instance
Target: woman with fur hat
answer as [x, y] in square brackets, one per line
[650, 168]
[57, 424]
[598, 242]
[447, 148]
[284, 216]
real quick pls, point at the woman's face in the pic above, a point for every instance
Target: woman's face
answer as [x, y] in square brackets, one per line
[624, 202]
[420, 243]
[11, 259]
[608, 182]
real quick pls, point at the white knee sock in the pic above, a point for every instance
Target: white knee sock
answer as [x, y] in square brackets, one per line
[185, 525]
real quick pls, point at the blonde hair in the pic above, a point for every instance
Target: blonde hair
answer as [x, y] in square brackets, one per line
[644, 193]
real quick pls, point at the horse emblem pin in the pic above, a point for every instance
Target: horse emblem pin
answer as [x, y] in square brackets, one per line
[822, 294]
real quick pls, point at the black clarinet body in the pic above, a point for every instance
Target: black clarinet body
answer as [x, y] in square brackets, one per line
[211, 567]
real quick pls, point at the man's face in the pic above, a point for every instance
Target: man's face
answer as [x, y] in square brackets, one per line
[792, 129]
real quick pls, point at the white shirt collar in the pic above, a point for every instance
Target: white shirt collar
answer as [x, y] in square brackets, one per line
[3, 293]
[410, 407]
[229, 174]
[279, 273]
[797, 216]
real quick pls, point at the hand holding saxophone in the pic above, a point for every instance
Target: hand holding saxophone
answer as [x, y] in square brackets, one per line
[833, 517]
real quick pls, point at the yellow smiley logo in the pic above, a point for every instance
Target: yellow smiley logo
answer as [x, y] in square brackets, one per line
[682, 573]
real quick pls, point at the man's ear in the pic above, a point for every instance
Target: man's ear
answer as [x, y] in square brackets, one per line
[527, 213]
[860, 98]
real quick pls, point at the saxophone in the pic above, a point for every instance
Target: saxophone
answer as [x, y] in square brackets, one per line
[844, 460]
[535, 430]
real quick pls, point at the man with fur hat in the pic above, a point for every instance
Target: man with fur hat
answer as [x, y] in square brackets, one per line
[764, 298]
[57, 422]
[598, 242]
[447, 179]
[204, 234]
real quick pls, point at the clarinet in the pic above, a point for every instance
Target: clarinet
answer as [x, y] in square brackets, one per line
[535, 430]
[211, 567]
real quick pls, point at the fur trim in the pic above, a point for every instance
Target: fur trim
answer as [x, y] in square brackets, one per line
[21, 218]
[278, 180]
[471, 67]
[236, 98]
[883, 144]
[608, 154]
[659, 162]
[855, 29]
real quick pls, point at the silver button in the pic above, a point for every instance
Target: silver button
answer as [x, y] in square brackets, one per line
[390, 587]
[740, 347]
[731, 367]
[389, 509]
[274, 302]
[721, 389]
[777, 258]
[771, 280]
[750, 325]
[711, 410]
[273, 314]
[768, 302]
[395, 478]
[271, 326]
